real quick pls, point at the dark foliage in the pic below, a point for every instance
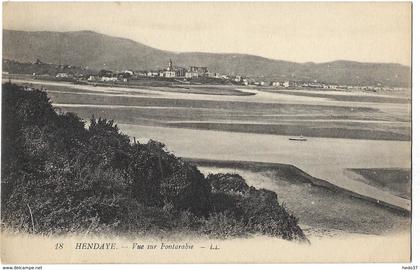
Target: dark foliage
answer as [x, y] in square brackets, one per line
[59, 176]
[227, 183]
[257, 210]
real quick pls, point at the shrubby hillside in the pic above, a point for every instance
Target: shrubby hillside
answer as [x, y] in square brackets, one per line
[59, 176]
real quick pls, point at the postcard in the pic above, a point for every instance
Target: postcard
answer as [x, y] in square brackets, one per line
[206, 132]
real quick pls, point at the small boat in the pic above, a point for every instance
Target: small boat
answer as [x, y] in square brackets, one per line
[301, 138]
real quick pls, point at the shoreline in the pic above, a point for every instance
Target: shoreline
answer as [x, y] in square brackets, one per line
[255, 166]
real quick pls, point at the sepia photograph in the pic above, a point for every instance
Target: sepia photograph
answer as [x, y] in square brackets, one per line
[206, 132]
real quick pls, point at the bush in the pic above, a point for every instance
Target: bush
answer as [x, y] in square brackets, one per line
[222, 225]
[259, 210]
[58, 176]
[227, 183]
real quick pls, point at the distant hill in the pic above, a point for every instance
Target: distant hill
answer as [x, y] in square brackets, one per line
[99, 51]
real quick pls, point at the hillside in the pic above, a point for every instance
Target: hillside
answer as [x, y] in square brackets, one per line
[60, 177]
[82, 48]
[99, 51]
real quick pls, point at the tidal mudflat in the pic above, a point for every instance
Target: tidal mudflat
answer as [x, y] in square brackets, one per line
[349, 136]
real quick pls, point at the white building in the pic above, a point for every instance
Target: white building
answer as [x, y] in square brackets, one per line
[191, 74]
[129, 72]
[109, 79]
[238, 78]
[201, 71]
[92, 78]
[169, 74]
[62, 75]
[152, 74]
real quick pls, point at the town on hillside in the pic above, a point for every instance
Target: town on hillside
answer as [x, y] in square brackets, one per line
[195, 75]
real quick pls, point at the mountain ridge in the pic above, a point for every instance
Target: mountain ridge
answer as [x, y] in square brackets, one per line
[101, 51]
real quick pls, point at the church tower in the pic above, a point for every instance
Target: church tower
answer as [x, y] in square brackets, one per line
[170, 65]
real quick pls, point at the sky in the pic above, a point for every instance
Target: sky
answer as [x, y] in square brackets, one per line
[299, 32]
